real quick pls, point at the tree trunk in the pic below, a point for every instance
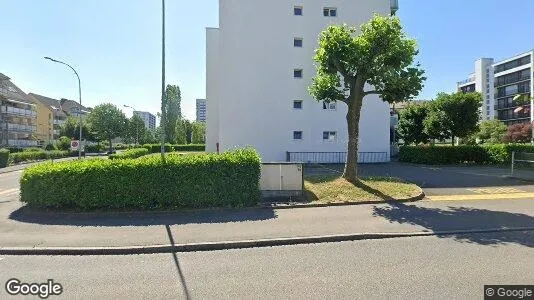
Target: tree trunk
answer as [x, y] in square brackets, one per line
[110, 147]
[353, 120]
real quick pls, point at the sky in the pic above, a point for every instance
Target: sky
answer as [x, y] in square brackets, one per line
[115, 45]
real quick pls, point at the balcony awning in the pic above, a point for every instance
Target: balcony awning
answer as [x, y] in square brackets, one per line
[20, 102]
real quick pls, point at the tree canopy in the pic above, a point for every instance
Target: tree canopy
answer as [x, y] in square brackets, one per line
[411, 127]
[172, 111]
[107, 122]
[491, 131]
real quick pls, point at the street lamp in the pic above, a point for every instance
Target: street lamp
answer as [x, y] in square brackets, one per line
[163, 114]
[80, 99]
[136, 126]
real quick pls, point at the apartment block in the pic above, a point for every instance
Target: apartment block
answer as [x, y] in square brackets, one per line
[259, 66]
[201, 110]
[50, 117]
[500, 82]
[148, 118]
[17, 116]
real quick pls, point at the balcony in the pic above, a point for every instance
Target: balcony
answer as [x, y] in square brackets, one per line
[10, 110]
[20, 127]
[59, 122]
[22, 143]
[468, 80]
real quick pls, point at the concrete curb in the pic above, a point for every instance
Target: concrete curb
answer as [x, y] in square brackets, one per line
[225, 245]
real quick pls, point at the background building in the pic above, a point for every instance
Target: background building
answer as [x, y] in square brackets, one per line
[259, 66]
[499, 82]
[50, 117]
[17, 116]
[148, 118]
[201, 110]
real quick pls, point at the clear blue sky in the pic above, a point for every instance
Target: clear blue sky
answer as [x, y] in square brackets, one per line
[115, 45]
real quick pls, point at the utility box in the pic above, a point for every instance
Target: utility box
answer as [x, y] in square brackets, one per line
[281, 179]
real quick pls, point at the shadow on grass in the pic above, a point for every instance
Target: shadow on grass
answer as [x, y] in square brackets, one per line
[31, 215]
[462, 218]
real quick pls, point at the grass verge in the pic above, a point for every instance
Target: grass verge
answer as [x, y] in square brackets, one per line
[333, 188]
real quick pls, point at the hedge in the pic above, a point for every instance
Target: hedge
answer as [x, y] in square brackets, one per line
[4, 158]
[479, 154]
[36, 155]
[156, 148]
[132, 153]
[189, 147]
[230, 179]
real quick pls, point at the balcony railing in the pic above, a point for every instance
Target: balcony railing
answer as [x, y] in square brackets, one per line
[22, 143]
[20, 127]
[17, 111]
[468, 80]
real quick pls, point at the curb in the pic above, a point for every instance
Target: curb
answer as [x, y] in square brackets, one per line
[225, 245]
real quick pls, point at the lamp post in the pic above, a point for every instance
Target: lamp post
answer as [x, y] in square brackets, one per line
[136, 126]
[163, 114]
[80, 100]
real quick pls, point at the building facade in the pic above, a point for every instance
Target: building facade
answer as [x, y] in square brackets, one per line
[257, 80]
[500, 83]
[50, 117]
[201, 110]
[18, 116]
[148, 118]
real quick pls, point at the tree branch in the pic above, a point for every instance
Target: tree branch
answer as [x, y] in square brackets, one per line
[371, 93]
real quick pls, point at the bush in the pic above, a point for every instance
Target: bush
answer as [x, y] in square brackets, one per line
[50, 146]
[156, 148]
[121, 147]
[19, 157]
[230, 179]
[14, 149]
[132, 153]
[97, 148]
[484, 154]
[190, 147]
[32, 149]
[63, 143]
[4, 157]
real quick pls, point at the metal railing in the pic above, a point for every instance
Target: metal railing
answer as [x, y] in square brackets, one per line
[521, 157]
[18, 111]
[336, 157]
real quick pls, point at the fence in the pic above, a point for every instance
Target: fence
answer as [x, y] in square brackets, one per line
[521, 157]
[336, 157]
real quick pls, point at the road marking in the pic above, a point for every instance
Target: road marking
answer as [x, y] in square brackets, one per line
[9, 191]
[502, 190]
[481, 197]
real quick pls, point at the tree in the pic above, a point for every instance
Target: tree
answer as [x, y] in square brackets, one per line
[63, 143]
[453, 115]
[107, 122]
[518, 133]
[380, 56]
[183, 131]
[410, 127]
[71, 129]
[172, 111]
[491, 131]
[135, 130]
[198, 133]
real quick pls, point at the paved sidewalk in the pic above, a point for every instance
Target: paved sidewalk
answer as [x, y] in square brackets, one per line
[24, 166]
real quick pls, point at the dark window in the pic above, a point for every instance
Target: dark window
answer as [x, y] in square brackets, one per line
[297, 42]
[329, 135]
[297, 11]
[297, 73]
[329, 12]
[297, 135]
[297, 104]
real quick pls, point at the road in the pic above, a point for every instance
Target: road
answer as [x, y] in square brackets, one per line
[403, 268]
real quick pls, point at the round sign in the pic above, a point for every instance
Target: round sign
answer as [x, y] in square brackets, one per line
[74, 144]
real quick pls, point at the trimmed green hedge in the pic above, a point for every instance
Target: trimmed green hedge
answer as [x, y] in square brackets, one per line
[4, 158]
[189, 147]
[230, 179]
[479, 154]
[19, 157]
[128, 154]
[156, 148]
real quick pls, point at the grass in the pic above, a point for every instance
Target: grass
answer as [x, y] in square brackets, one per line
[333, 188]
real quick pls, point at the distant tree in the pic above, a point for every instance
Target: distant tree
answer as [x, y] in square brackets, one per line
[377, 58]
[71, 129]
[107, 122]
[491, 131]
[453, 115]
[410, 127]
[63, 143]
[172, 111]
[198, 133]
[518, 133]
[135, 130]
[183, 131]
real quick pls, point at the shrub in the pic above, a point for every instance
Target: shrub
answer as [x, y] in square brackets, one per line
[63, 143]
[156, 148]
[484, 154]
[190, 147]
[50, 146]
[230, 179]
[132, 153]
[4, 157]
[19, 157]
[14, 149]
[96, 148]
[32, 149]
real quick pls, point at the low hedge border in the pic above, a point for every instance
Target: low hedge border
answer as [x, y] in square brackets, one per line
[129, 154]
[156, 148]
[4, 158]
[478, 154]
[19, 157]
[230, 179]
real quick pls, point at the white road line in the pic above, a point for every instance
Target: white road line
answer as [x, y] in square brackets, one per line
[9, 191]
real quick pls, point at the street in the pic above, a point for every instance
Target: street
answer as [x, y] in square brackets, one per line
[408, 268]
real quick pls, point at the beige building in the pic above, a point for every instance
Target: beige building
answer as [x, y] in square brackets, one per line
[50, 117]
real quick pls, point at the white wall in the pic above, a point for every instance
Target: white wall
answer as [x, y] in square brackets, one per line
[253, 86]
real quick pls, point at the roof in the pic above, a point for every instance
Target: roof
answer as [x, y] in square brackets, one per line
[51, 103]
[11, 91]
[69, 105]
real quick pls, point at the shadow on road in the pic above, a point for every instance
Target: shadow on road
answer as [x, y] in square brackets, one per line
[27, 215]
[183, 284]
[462, 218]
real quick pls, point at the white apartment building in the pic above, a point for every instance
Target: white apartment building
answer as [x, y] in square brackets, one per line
[499, 82]
[259, 67]
[148, 118]
[201, 110]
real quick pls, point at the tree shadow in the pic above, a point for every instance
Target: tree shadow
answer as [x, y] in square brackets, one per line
[183, 283]
[31, 215]
[461, 219]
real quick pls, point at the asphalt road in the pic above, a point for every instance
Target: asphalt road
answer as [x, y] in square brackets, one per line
[403, 268]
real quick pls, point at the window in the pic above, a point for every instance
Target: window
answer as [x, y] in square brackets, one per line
[297, 42]
[297, 10]
[297, 135]
[329, 12]
[297, 73]
[329, 106]
[329, 135]
[297, 104]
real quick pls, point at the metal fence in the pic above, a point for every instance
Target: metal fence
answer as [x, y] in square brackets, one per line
[521, 157]
[335, 157]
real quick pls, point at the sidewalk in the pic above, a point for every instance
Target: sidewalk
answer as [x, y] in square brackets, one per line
[24, 166]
